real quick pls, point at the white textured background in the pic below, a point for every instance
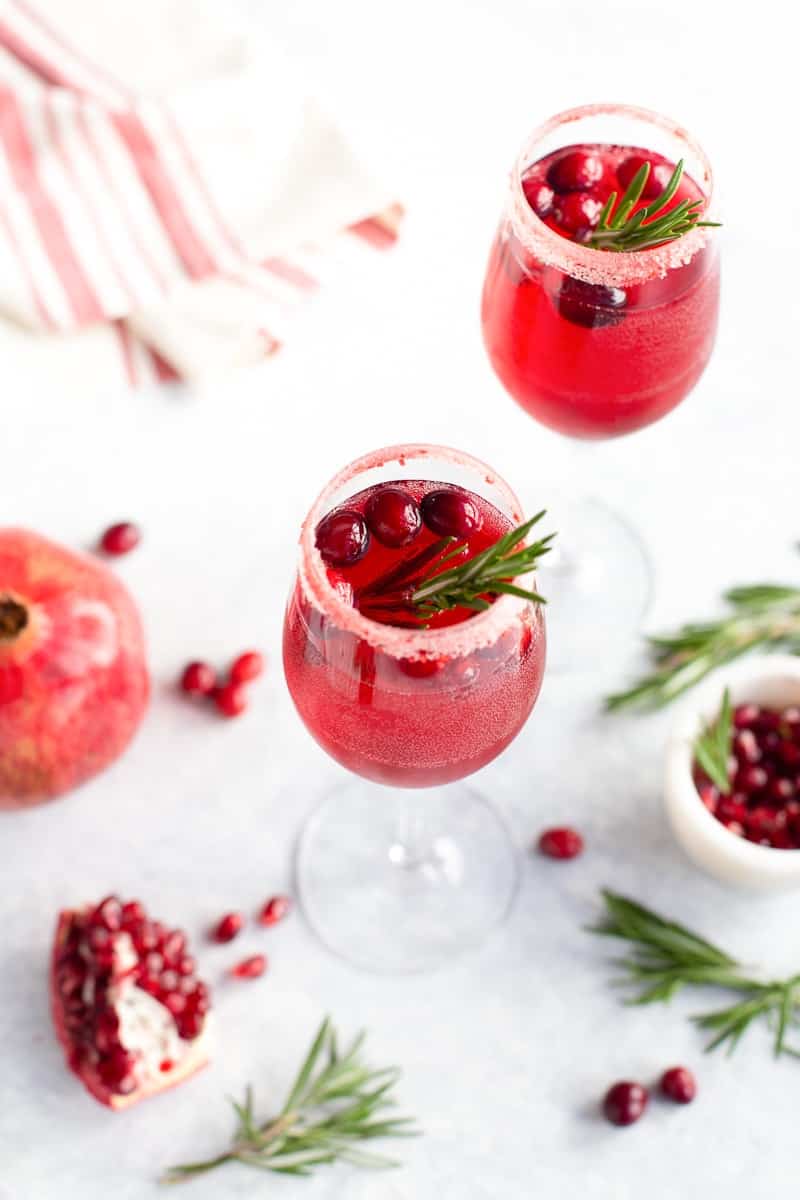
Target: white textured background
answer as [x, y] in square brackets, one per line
[507, 1052]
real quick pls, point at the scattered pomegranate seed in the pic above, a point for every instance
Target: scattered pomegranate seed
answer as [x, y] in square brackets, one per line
[678, 1083]
[342, 537]
[275, 910]
[451, 513]
[625, 1102]
[231, 699]
[121, 538]
[539, 196]
[576, 171]
[561, 843]
[227, 927]
[577, 212]
[250, 968]
[199, 679]
[246, 667]
[393, 516]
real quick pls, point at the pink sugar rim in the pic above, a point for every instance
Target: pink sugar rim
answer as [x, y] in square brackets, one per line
[613, 269]
[455, 640]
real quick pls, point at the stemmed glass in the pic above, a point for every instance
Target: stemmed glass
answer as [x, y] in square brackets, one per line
[595, 344]
[400, 873]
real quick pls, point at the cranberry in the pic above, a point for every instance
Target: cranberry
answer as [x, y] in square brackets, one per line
[231, 699]
[625, 1102]
[779, 791]
[539, 196]
[121, 538]
[745, 746]
[227, 927]
[576, 171]
[276, 908]
[198, 679]
[561, 843]
[393, 516]
[246, 667]
[250, 968]
[592, 305]
[745, 715]
[752, 779]
[451, 513]
[789, 754]
[342, 537]
[577, 212]
[678, 1084]
[732, 808]
[657, 180]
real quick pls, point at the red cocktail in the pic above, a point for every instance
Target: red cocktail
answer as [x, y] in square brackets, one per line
[409, 697]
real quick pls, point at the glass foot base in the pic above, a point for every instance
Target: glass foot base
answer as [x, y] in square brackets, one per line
[598, 585]
[401, 881]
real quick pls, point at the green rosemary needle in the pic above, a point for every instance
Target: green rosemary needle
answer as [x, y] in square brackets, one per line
[627, 230]
[335, 1104]
[712, 749]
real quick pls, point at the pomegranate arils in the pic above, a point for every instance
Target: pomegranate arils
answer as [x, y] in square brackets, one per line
[227, 927]
[250, 968]
[539, 196]
[275, 910]
[657, 180]
[745, 747]
[247, 666]
[561, 843]
[108, 914]
[678, 1084]
[121, 538]
[577, 212]
[132, 912]
[393, 516]
[451, 513]
[751, 779]
[342, 537]
[198, 679]
[625, 1102]
[576, 171]
[231, 699]
[744, 715]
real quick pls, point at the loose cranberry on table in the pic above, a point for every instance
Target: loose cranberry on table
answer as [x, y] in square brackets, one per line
[562, 842]
[451, 513]
[198, 679]
[121, 538]
[625, 1102]
[275, 909]
[678, 1084]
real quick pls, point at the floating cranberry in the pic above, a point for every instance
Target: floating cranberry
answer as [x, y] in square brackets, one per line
[539, 196]
[562, 842]
[657, 180]
[198, 679]
[227, 927]
[250, 968]
[576, 171]
[451, 513]
[678, 1084]
[231, 699]
[342, 537]
[577, 212]
[625, 1102]
[247, 666]
[393, 516]
[121, 538]
[276, 908]
[592, 305]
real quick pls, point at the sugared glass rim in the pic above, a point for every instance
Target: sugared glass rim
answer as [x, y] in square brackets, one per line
[617, 268]
[454, 640]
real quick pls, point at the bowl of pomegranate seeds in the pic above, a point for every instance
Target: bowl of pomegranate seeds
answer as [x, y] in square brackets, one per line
[732, 784]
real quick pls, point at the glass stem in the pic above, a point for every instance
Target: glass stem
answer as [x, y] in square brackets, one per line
[411, 846]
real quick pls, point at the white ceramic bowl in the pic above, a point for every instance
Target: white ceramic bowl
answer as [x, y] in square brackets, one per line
[774, 682]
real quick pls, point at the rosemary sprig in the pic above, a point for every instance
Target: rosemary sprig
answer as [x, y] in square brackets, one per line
[667, 957]
[712, 749]
[334, 1105]
[765, 615]
[627, 230]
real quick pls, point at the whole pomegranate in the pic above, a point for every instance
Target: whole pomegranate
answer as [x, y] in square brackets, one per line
[73, 677]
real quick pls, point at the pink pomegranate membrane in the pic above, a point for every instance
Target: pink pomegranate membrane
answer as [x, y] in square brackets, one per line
[763, 805]
[421, 712]
[591, 342]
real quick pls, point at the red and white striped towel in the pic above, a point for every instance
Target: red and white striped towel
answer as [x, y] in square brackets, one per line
[168, 194]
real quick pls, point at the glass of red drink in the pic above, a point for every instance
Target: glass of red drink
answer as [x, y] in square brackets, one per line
[401, 876]
[595, 343]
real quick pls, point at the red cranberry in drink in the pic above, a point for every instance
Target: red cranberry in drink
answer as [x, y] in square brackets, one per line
[451, 513]
[625, 1102]
[250, 968]
[591, 305]
[539, 196]
[678, 1084]
[393, 516]
[198, 679]
[121, 538]
[247, 666]
[657, 180]
[227, 927]
[562, 843]
[576, 171]
[342, 537]
[276, 908]
[577, 212]
[231, 699]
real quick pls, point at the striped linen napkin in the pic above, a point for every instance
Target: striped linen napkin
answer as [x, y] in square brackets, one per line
[168, 193]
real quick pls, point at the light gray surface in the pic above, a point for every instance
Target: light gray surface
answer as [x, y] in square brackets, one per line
[506, 1053]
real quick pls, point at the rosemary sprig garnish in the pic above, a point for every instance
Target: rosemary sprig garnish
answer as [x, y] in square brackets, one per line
[765, 615]
[627, 230]
[666, 957]
[334, 1105]
[712, 749]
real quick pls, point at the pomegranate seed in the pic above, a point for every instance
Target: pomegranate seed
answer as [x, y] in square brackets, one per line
[175, 1002]
[169, 980]
[734, 827]
[132, 912]
[121, 538]
[154, 962]
[779, 791]
[709, 796]
[190, 1024]
[577, 212]
[745, 747]
[231, 699]
[247, 666]
[276, 908]
[108, 914]
[561, 843]
[198, 679]
[186, 965]
[745, 715]
[451, 513]
[789, 754]
[227, 927]
[116, 1071]
[657, 180]
[576, 171]
[342, 537]
[625, 1102]
[731, 809]
[393, 516]
[174, 946]
[678, 1083]
[752, 779]
[592, 305]
[539, 196]
[250, 968]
